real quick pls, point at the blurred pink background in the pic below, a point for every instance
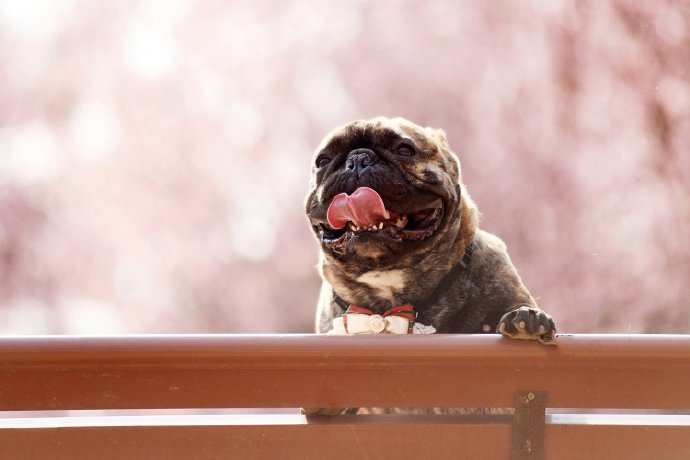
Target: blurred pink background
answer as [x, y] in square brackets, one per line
[154, 155]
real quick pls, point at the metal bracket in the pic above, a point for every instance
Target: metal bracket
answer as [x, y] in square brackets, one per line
[529, 425]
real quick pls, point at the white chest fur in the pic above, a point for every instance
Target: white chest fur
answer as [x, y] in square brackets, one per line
[384, 282]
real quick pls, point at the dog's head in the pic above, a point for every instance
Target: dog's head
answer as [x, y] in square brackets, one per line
[386, 192]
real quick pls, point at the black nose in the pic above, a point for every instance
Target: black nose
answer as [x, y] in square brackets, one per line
[359, 159]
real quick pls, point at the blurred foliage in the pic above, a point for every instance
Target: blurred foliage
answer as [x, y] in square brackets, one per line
[154, 155]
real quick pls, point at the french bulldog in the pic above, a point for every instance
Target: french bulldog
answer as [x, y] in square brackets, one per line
[401, 247]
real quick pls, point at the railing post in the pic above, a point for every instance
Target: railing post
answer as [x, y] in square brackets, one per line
[529, 425]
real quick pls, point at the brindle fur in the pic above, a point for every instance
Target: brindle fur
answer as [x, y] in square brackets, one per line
[488, 295]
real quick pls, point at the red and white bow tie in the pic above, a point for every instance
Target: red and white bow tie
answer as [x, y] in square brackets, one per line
[358, 320]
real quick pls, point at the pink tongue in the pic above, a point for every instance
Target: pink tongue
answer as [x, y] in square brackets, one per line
[363, 208]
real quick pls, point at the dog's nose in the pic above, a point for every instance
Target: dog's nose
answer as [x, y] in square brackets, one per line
[359, 159]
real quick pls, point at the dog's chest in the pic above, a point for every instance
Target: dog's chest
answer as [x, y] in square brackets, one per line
[383, 284]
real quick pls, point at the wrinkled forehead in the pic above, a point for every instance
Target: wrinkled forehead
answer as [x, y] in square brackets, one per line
[375, 132]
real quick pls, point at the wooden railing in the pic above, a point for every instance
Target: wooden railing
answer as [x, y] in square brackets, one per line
[592, 396]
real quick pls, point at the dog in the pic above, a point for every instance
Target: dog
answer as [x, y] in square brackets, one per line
[400, 239]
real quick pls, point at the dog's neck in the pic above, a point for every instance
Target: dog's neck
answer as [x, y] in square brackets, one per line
[380, 289]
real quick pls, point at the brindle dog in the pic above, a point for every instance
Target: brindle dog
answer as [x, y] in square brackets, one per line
[396, 226]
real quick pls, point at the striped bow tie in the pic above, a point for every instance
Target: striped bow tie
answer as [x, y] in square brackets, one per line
[358, 320]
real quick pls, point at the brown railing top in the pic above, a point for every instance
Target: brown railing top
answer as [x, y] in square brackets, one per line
[310, 349]
[65, 372]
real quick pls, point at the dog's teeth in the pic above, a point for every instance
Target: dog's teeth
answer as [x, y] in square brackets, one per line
[380, 225]
[401, 222]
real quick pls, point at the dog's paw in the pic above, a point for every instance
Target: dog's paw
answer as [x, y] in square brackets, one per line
[528, 323]
[309, 411]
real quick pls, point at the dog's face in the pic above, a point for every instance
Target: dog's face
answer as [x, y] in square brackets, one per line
[385, 192]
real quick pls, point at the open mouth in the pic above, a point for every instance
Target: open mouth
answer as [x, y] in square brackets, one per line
[414, 226]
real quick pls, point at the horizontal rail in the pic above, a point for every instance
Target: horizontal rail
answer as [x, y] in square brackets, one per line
[150, 372]
[86, 421]
[333, 441]
[249, 420]
[347, 437]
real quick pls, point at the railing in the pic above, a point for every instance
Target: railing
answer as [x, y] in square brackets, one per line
[608, 396]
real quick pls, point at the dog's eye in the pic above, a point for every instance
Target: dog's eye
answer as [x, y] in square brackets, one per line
[322, 161]
[405, 151]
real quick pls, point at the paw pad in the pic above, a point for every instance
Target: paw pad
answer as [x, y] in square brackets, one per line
[528, 323]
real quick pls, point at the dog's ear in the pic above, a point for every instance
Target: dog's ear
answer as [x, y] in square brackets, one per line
[439, 136]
